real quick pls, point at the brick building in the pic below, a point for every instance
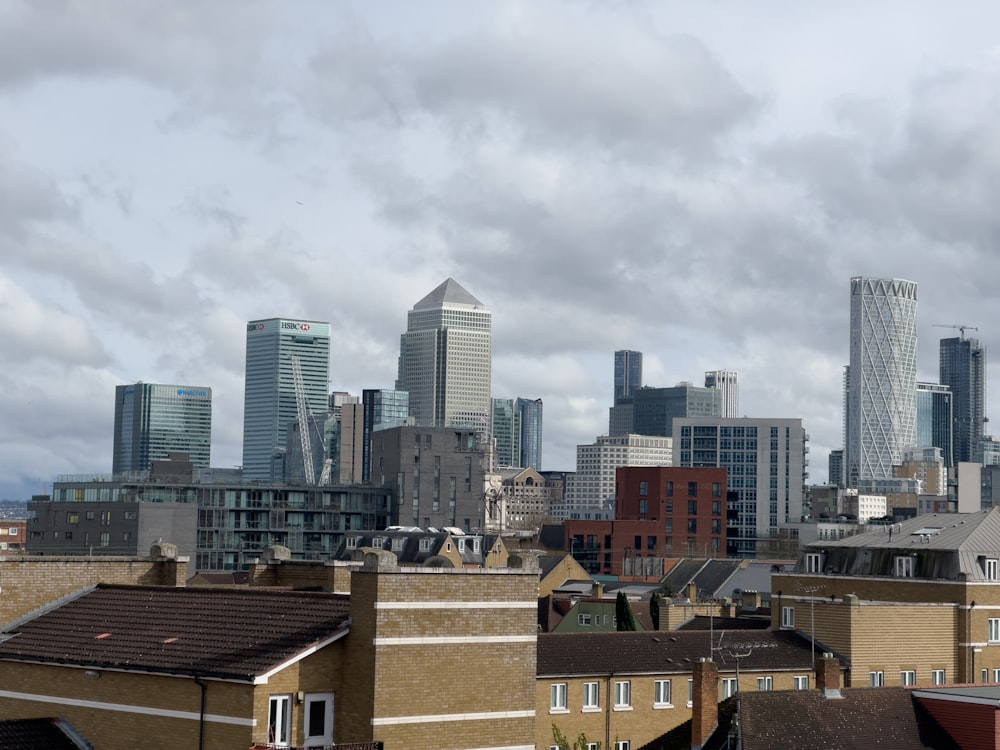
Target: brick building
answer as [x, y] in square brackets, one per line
[661, 513]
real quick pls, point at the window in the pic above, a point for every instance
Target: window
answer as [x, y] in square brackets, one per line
[89, 515]
[788, 617]
[996, 675]
[716, 489]
[692, 507]
[279, 720]
[661, 694]
[643, 507]
[716, 507]
[670, 489]
[765, 684]
[623, 694]
[622, 745]
[984, 675]
[802, 682]
[876, 679]
[593, 746]
[352, 542]
[130, 515]
[378, 542]
[105, 538]
[557, 697]
[692, 489]
[69, 536]
[70, 518]
[690, 700]
[670, 526]
[398, 543]
[643, 489]
[591, 696]
[990, 568]
[904, 566]
[908, 677]
[938, 677]
[994, 629]
[105, 518]
[425, 544]
[729, 687]
[583, 619]
[692, 526]
[814, 562]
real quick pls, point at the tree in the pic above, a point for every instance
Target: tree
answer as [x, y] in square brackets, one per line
[655, 600]
[559, 740]
[623, 613]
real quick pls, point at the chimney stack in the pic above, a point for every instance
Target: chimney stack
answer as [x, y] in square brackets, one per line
[828, 676]
[705, 702]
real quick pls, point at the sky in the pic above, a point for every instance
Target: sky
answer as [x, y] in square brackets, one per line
[696, 181]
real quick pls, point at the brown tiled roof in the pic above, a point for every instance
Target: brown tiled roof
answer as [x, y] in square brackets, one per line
[210, 632]
[567, 654]
[863, 718]
[40, 734]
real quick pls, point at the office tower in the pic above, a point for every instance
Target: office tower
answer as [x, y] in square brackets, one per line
[934, 419]
[628, 373]
[654, 409]
[383, 408]
[767, 469]
[445, 359]
[835, 465]
[269, 395]
[152, 420]
[963, 369]
[727, 383]
[505, 421]
[530, 413]
[881, 418]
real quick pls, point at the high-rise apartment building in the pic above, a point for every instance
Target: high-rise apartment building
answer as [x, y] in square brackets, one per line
[654, 409]
[445, 359]
[269, 397]
[963, 369]
[530, 411]
[934, 419]
[505, 426]
[767, 469]
[152, 420]
[628, 373]
[881, 418]
[727, 383]
[383, 408]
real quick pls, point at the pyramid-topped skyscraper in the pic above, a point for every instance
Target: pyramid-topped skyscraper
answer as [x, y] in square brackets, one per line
[445, 359]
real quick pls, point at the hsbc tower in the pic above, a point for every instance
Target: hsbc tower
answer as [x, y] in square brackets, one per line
[269, 393]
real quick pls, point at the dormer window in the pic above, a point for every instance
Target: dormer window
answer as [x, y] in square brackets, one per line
[904, 566]
[352, 542]
[475, 545]
[461, 545]
[398, 543]
[991, 567]
[378, 542]
[814, 562]
[425, 544]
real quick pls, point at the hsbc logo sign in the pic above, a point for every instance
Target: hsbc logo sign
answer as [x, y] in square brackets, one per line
[285, 325]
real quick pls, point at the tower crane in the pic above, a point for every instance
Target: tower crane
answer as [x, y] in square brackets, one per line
[302, 407]
[961, 328]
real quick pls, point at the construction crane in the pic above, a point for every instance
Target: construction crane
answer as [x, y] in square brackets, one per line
[302, 406]
[961, 328]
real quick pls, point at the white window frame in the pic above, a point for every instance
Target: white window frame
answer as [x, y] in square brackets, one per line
[593, 746]
[690, 700]
[591, 696]
[996, 675]
[908, 677]
[801, 682]
[378, 542]
[814, 562]
[788, 617]
[399, 543]
[993, 629]
[623, 695]
[662, 694]
[939, 677]
[622, 745]
[279, 721]
[765, 684]
[352, 542]
[425, 544]
[557, 698]
[876, 678]
[991, 568]
[984, 676]
[583, 618]
[904, 566]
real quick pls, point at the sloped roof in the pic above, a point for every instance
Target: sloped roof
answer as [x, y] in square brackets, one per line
[224, 633]
[967, 532]
[449, 292]
[682, 574]
[41, 734]
[659, 652]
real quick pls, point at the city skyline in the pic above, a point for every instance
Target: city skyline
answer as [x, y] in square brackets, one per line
[698, 193]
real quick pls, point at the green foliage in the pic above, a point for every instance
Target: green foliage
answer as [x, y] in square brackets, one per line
[623, 613]
[655, 600]
[560, 740]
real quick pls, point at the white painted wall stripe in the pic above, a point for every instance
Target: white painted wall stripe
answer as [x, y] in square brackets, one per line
[435, 718]
[121, 707]
[432, 640]
[456, 605]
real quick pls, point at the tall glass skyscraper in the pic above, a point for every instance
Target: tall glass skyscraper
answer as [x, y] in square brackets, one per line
[445, 359]
[505, 426]
[152, 420]
[381, 410]
[530, 411]
[269, 396]
[628, 373]
[934, 419]
[963, 369]
[881, 418]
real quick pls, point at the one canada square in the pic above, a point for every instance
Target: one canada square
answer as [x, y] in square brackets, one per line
[445, 359]
[881, 412]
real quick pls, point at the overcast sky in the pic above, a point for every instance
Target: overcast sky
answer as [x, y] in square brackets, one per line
[698, 181]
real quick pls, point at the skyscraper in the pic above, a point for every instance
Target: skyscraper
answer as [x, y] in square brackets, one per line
[963, 369]
[445, 359]
[934, 419]
[655, 409]
[152, 420]
[505, 426]
[628, 373]
[530, 411]
[727, 383]
[881, 380]
[269, 394]
[382, 409]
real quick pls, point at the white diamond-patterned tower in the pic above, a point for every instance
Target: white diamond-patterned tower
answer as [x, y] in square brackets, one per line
[881, 417]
